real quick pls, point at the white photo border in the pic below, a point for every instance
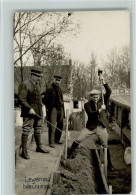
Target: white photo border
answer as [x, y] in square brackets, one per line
[8, 7]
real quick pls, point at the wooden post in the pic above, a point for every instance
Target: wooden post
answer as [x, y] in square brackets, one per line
[110, 189]
[102, 173]
[102, 93]
[66, 136]
[103, 168]
[105, 162]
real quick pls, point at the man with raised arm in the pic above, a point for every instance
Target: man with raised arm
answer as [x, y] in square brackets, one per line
[97, 122]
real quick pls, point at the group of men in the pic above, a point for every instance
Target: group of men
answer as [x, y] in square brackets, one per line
[31, 100]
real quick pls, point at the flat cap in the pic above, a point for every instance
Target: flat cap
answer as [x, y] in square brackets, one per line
[58, 76]
[95, 92]
[37, 70]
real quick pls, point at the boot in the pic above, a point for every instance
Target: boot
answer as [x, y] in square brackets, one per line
[51, 137]
[73, 147]
[110, 166]
[52, 145]
[39, 147]
[59, 142]
[24, 153]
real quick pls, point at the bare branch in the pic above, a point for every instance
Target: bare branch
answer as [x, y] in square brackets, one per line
[26, 23]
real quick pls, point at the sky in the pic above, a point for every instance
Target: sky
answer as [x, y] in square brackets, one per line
[100, 31]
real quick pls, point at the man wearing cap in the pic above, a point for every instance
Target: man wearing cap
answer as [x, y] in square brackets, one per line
[31, 110]
[97, 121]
[53, 100]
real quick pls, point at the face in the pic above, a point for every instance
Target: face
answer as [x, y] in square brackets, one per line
[57, 81]
[36, 78]
[95, 97]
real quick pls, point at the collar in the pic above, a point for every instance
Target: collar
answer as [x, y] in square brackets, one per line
[34, 83]
[55, 86]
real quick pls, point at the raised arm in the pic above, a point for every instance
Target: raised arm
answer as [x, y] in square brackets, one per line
[108, 92]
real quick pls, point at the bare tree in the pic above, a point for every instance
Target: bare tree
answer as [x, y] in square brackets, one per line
[55, 24]
[22, 22]
[35, 35]
[84, 77]
[92, 70]
[38, 26]
[124, 70]
[117, 67]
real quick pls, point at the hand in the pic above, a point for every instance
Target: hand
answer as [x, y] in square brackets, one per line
[31, 111]
[102, 79]
[42, 96]
[103, 107]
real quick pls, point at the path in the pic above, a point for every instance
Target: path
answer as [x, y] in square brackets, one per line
[33, 175]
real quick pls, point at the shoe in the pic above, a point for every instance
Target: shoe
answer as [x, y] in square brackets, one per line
[59, 142]
[72, 149]
[41, 149]
[39, 145]
[52, 145]
[24, 154]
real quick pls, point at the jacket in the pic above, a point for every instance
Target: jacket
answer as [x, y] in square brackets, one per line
[94, 117]
[30, 97]
[53, 97]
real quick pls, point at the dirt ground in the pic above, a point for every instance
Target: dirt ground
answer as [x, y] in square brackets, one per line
[77, 175]
[120, 179]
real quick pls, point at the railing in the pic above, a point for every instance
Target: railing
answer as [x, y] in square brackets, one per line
[120, 113]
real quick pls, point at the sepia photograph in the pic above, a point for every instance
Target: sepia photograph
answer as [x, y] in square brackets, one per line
[72, 110]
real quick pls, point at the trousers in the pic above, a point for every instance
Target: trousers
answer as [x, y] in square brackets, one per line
[55, 118]
[29, 123]
[99, 134]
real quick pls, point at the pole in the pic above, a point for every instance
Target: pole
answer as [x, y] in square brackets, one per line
[110, 189]
[105, 162]
[66, 135]
[102, 92]
[101, 81]
[103, 168]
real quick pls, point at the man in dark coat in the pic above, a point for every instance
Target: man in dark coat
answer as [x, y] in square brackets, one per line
[31, 110]
[53, 100]
[97, 122]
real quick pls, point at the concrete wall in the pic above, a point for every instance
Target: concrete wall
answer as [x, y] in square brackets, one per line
[18, 119]
[67, 105]
[70, 106]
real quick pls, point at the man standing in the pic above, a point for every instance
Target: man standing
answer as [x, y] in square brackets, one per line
[97, 122]
[31, 110]
[53, 100]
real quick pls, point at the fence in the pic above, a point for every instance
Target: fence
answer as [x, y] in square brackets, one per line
[121, 114]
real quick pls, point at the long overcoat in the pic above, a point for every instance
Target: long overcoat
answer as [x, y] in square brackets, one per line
[50, 97]
[30, 97]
